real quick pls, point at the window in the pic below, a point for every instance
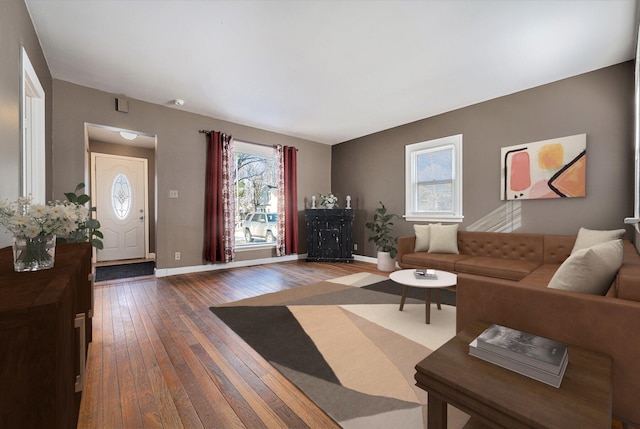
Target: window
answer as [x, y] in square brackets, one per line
[635, 220]
[255, 186]
[434, 180]
[121, 196]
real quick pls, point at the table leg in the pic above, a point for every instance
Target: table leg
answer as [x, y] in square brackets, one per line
[437, 413]
[404, 296]
[428, 306]
[437, 291]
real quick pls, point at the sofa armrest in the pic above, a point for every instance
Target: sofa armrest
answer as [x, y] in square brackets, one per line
[405, 245]
[603, 324]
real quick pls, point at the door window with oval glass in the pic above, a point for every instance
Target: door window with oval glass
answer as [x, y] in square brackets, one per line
[121, 196]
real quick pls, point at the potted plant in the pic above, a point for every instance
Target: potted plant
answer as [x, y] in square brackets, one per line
[87, 229]
[329, 201]
[381, 237]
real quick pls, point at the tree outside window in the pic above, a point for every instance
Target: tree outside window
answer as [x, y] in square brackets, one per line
[255, 182]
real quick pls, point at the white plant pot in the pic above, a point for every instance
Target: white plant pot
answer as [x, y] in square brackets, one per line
[386, 262]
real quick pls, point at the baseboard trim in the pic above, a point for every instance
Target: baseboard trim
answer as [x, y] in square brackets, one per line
[165, 272]
[365, 259]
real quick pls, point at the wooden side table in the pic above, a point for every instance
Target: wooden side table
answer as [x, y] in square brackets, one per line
[501, 398]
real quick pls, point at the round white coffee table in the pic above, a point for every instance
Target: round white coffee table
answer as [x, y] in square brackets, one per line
[407, 279]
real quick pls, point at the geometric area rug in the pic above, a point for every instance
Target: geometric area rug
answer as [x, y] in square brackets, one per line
[344, 343]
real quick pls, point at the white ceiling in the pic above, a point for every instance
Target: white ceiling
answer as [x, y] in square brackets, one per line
[328, 71]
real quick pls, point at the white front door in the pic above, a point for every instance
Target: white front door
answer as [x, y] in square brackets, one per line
[120, 189]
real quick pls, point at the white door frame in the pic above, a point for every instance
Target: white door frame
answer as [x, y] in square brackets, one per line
[146, 194]
[32, 118]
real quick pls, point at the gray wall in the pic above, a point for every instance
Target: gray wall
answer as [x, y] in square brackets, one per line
[17, 31]
[180, 163]
[599, 104]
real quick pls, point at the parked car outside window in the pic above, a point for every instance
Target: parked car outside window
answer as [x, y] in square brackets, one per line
[260, 225]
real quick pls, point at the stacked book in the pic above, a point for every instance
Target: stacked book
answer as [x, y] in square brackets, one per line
[536, 357]
[426, 274]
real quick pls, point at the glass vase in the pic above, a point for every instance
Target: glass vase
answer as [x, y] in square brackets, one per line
[34, 254]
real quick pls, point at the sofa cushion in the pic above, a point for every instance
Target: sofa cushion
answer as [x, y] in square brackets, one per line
[557, 248]
[541, 276]
[422, 237]
[517, 246]
[443, 239]
[588, 237]
[437, 261]
[590, 270]
[510, 269]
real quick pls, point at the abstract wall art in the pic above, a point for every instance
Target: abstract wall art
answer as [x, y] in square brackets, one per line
[546, 169]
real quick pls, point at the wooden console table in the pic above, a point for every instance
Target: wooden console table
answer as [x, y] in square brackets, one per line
[45, 328]
[500, 398]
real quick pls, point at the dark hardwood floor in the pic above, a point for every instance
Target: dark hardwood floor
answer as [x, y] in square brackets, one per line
[160, 358]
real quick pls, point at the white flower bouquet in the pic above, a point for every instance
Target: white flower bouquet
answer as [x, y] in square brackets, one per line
[24, 219]
[329, 200]
[35, 226]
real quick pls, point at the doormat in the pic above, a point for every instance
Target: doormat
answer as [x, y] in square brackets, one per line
[124, 271]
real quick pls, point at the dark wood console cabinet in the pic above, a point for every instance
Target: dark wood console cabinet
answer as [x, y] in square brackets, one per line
[329, 234]
[45, 328]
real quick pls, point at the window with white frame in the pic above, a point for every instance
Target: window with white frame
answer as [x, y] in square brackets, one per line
[255, 187]
[433, 185]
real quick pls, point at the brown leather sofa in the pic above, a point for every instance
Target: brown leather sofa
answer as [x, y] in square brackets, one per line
[503, 278]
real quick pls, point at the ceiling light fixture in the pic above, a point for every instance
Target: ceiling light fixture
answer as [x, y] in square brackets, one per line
[178, 102]
[128, 136]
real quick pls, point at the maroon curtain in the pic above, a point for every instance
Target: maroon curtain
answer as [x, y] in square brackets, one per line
[291, 199]
[216, 246]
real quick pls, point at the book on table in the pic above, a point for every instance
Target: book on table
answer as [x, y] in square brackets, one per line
[426, 274]
[533, 350]
[550, 378]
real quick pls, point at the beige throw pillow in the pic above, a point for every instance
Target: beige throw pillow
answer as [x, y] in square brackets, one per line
[422, 237]
[588, 237]
[590, 270]
[443, 239]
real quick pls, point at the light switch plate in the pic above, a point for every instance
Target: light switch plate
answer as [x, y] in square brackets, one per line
[173, 194]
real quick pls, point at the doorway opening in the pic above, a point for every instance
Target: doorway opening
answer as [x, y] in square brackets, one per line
[120, 167]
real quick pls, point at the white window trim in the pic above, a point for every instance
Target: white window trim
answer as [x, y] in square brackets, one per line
[411, 152]
[265, 152]
[254, 149]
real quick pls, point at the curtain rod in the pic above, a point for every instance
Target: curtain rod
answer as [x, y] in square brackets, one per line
[259, 144]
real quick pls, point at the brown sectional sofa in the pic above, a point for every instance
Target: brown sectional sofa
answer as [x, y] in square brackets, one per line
[503, 278]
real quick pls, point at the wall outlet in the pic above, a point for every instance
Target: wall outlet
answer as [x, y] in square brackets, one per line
[178, 256]
[355, 246]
